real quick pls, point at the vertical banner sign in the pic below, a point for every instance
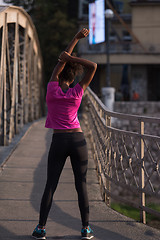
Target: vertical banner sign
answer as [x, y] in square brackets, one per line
[96, 22]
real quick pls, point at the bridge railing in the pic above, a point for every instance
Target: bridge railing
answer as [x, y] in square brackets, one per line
[127, 160]
[21, 88]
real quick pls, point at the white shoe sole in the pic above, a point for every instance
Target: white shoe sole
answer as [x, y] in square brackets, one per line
[87, 238]
[42, 238]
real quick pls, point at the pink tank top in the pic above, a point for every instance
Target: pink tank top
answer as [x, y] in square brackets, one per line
[63, 107]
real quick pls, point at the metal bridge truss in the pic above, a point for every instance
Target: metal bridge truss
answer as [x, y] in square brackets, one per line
[21, 88]
[127, 161]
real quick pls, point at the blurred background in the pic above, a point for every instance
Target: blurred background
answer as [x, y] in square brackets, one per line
[134, 38]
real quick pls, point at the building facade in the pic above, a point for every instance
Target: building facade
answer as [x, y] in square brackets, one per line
[134, 50]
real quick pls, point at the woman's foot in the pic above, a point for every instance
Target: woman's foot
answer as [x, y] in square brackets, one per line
[87, 233]
[39, 233]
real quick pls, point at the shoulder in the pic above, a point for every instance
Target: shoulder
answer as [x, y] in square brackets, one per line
[53, 84]
[77, 90]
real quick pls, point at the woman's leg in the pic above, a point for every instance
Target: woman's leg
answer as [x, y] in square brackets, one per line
[56, 160]
[79, 161]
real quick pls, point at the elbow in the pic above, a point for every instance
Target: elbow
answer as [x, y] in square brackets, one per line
[94, 66]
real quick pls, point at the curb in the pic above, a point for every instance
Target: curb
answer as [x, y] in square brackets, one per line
[6, 151]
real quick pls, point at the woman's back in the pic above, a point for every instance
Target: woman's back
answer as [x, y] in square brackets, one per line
[63, 107]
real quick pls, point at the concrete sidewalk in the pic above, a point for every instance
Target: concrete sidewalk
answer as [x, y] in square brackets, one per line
[22, 183]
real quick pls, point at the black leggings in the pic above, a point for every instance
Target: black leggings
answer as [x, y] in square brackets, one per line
[62, 146]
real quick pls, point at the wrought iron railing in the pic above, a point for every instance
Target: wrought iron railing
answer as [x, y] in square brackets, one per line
[127, 161]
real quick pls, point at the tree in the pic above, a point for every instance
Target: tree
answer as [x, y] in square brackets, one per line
[55, 29]
[56, 23]
[26, 4]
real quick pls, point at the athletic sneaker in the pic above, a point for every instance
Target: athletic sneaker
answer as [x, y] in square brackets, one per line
[87, 233]
[39, 233]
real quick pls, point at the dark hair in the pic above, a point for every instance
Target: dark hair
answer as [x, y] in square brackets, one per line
[70, 71]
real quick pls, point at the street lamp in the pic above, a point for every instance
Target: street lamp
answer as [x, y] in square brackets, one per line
[108, 15]
[108, 92]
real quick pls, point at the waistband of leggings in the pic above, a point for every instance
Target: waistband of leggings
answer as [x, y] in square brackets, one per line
[68, 134]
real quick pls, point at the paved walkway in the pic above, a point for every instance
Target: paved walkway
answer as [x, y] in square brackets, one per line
[21, 186]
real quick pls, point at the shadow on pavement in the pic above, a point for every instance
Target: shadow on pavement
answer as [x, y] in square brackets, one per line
[57, 215]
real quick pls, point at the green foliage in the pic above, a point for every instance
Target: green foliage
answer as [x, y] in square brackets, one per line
[155, 207]
[55, 29]
[56, 25]
[134, 213]
[126, 210]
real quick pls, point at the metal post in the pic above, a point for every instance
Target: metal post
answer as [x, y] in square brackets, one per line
[30, 102]
[14, 103]
[108, 91]
[108, 159]
[141, 175]
[108, 82]
[16, 72]
[5, 89]
[2, 72]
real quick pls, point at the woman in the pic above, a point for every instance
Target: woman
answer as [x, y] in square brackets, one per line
[63, 103]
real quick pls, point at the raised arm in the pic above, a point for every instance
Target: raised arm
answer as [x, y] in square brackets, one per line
[61, 64]
[89, 66]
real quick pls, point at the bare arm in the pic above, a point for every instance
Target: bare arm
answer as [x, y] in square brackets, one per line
[90, 67]
[61, 64]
